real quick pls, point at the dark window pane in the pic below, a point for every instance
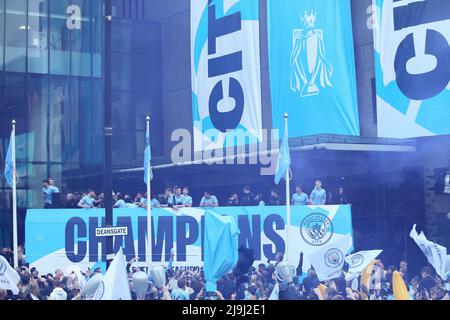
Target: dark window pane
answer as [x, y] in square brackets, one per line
[38, 122]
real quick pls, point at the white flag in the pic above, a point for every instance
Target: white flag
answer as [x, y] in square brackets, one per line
[358, 261]
[329, 259]
[436, 254]
[275, 295]
[115, 284]
[74, 269]
[9, 278]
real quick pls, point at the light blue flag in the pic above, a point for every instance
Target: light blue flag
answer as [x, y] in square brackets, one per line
[312, 66]
[147, 156]
[221, 247]
[9, 167]
[284, 158]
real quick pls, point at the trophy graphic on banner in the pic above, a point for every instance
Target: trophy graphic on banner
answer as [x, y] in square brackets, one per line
[308, 62]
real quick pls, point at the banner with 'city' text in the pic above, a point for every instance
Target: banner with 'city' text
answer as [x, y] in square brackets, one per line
[225, 72]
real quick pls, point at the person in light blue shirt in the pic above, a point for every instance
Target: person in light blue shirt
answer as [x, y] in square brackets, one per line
[180, 293]
[154, 202]
[187, 198]
[120, 203]
[318, 195]
[178, 199]
[299, 197]
[88, 200]
[208, 200]
[167, 200]
[48, 189]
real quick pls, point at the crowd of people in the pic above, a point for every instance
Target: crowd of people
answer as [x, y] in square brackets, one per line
[178, 197]
[257, 283]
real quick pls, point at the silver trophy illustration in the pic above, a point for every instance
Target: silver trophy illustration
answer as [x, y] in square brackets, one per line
[308, 61]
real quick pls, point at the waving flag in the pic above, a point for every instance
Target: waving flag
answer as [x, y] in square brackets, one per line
[284, 158]
[329, 259]
[436, 254]
[147, 156]
[359, 261]
[9, 278]
[399, 287]
[221, 247]
[9, 166]
[115, 285]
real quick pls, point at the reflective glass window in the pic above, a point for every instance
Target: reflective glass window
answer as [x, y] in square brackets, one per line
[79, 22]
[2, 31]
[38, 36]
[59, 42]
[15, 35]
[38, 121]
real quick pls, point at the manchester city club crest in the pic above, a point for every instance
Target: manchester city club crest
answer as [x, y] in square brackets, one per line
[2, 268]
[100, 291]
[316, 229]
[356, 260]
[308, 61]
[333, 258]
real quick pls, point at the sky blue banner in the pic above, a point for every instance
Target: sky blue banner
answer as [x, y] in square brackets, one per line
[412, 64]
[225, 73]
[61, 238]
[312, 67]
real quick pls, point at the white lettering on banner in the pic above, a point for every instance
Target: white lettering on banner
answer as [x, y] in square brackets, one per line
[262, 228]
[74, 17]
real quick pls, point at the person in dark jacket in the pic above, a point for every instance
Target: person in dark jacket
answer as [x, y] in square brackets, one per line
[248, 197]
[427, 282]
[274, 199]
[233, 201]
[341, 196]
[310, 282]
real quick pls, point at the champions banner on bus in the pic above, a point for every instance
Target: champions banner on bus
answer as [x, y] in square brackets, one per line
[412, 64]
[61, 238]
[225, 72]
[312, 67]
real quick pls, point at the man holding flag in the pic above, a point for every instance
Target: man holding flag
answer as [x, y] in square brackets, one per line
[11, 179]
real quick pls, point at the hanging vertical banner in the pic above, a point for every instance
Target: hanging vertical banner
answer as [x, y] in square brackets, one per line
[412, 64]
[225, 69]
[312, 66]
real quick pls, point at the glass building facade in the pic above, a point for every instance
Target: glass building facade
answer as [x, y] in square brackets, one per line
[51, 84]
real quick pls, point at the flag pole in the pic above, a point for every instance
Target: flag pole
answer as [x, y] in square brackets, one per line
[288, 193]
[149, 206]
[14, 194]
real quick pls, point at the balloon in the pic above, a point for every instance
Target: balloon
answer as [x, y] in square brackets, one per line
[91, 286]
[158, 275]
[140, 284]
